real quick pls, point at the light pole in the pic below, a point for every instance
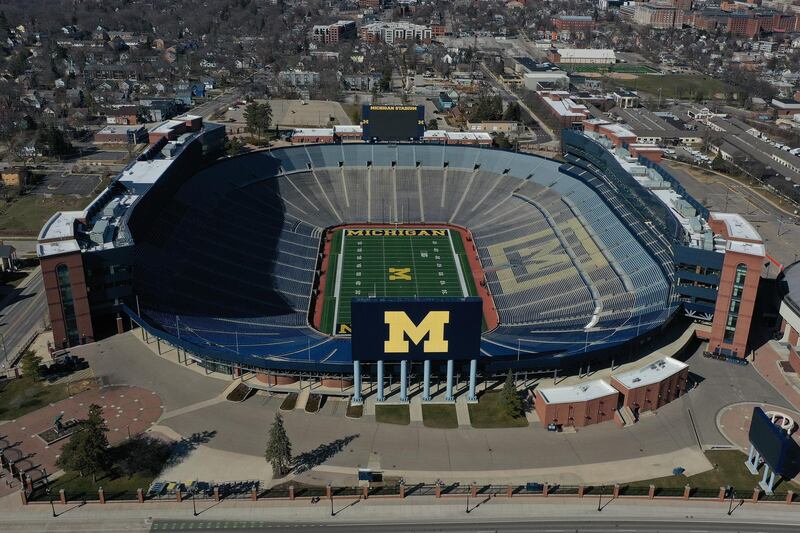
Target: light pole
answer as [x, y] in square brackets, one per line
[194, 505]
[730, 504]
[330, 491]
[3, 341]
[468, 493]
[600, 501]
[52, 505]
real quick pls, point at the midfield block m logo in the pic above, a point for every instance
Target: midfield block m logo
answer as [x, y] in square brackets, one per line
[401, 326]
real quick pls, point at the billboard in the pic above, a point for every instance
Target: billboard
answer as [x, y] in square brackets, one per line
[393, 122]
[393, 329]
[772, 443]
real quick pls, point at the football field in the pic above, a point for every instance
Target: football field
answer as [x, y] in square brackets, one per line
[410, 262]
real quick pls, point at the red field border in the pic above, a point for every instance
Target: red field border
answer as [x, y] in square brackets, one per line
[489, 310]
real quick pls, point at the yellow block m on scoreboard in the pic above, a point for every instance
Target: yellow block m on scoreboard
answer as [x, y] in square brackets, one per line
[401, 326]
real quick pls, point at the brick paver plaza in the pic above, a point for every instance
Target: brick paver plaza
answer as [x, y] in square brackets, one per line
[125, 409]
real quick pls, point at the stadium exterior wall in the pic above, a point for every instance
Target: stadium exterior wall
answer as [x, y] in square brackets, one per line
[554, 361]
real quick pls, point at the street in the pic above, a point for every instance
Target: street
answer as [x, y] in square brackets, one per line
[391, 515]
[22, 315]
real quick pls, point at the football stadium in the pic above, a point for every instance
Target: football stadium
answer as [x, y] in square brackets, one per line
[282, 261]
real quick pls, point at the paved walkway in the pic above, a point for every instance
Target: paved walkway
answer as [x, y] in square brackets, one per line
[208, 464]
[766, 363]
[125, 409]
[734, 422]
[462, 412]
[635, 469]
[415, 409]
[336, 445]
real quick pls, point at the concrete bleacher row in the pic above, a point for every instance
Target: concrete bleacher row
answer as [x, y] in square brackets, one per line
[241, 241]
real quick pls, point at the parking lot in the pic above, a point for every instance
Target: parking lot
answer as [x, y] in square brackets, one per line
[66, 185]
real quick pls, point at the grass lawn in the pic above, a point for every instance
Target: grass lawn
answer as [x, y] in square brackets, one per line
[489, 413]
[118, 487]
[314, 403]
[353, 112]
[355, 411]
[439, 416]
[676, 85]
[728, 469]
[25, 215]
[289, 402]
[21, 396]
[393, 414]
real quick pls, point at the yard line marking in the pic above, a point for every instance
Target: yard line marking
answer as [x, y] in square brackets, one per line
[419, 188]
[369, 194]
[383, 270]
[338, 280]
[414, 267]
[458, 265]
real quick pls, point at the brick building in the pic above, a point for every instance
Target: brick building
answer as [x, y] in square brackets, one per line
[121, 135]
[393, 32]
[652, 386]
[573, 23]
[581, 405]
[658, 14]
[333, 33]
[563, 108]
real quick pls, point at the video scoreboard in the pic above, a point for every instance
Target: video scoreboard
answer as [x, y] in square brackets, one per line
[393, 329]
[393, 122]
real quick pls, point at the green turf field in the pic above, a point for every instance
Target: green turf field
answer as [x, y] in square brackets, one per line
[392, 262]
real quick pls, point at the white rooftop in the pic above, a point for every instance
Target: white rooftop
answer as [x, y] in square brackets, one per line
[166, 127]
[593, 53]
[120, 128]
[749, 248]
[618, 130]
[738, 226]
[652, 373]
[567, 107]
[145, 172]
[348, 128]
[60, 226]
[313, 132]
[644, 146]
[471, 135]
[56, 248]
[590, 390]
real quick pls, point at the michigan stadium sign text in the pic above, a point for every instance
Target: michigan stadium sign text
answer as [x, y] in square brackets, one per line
[386, 232]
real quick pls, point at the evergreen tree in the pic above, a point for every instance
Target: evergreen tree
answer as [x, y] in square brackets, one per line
[30, 365]
[233, 146]
[258, 117]
[87, 449]
[502, 141]
[718, 163]
[511, 400]
[53, 140]
[279, 449]
[5, 27]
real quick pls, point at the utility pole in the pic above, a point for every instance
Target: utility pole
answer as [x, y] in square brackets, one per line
[472, 62]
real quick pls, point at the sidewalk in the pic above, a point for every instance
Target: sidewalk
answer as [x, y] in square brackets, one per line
[693, 460]
[412, 510]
